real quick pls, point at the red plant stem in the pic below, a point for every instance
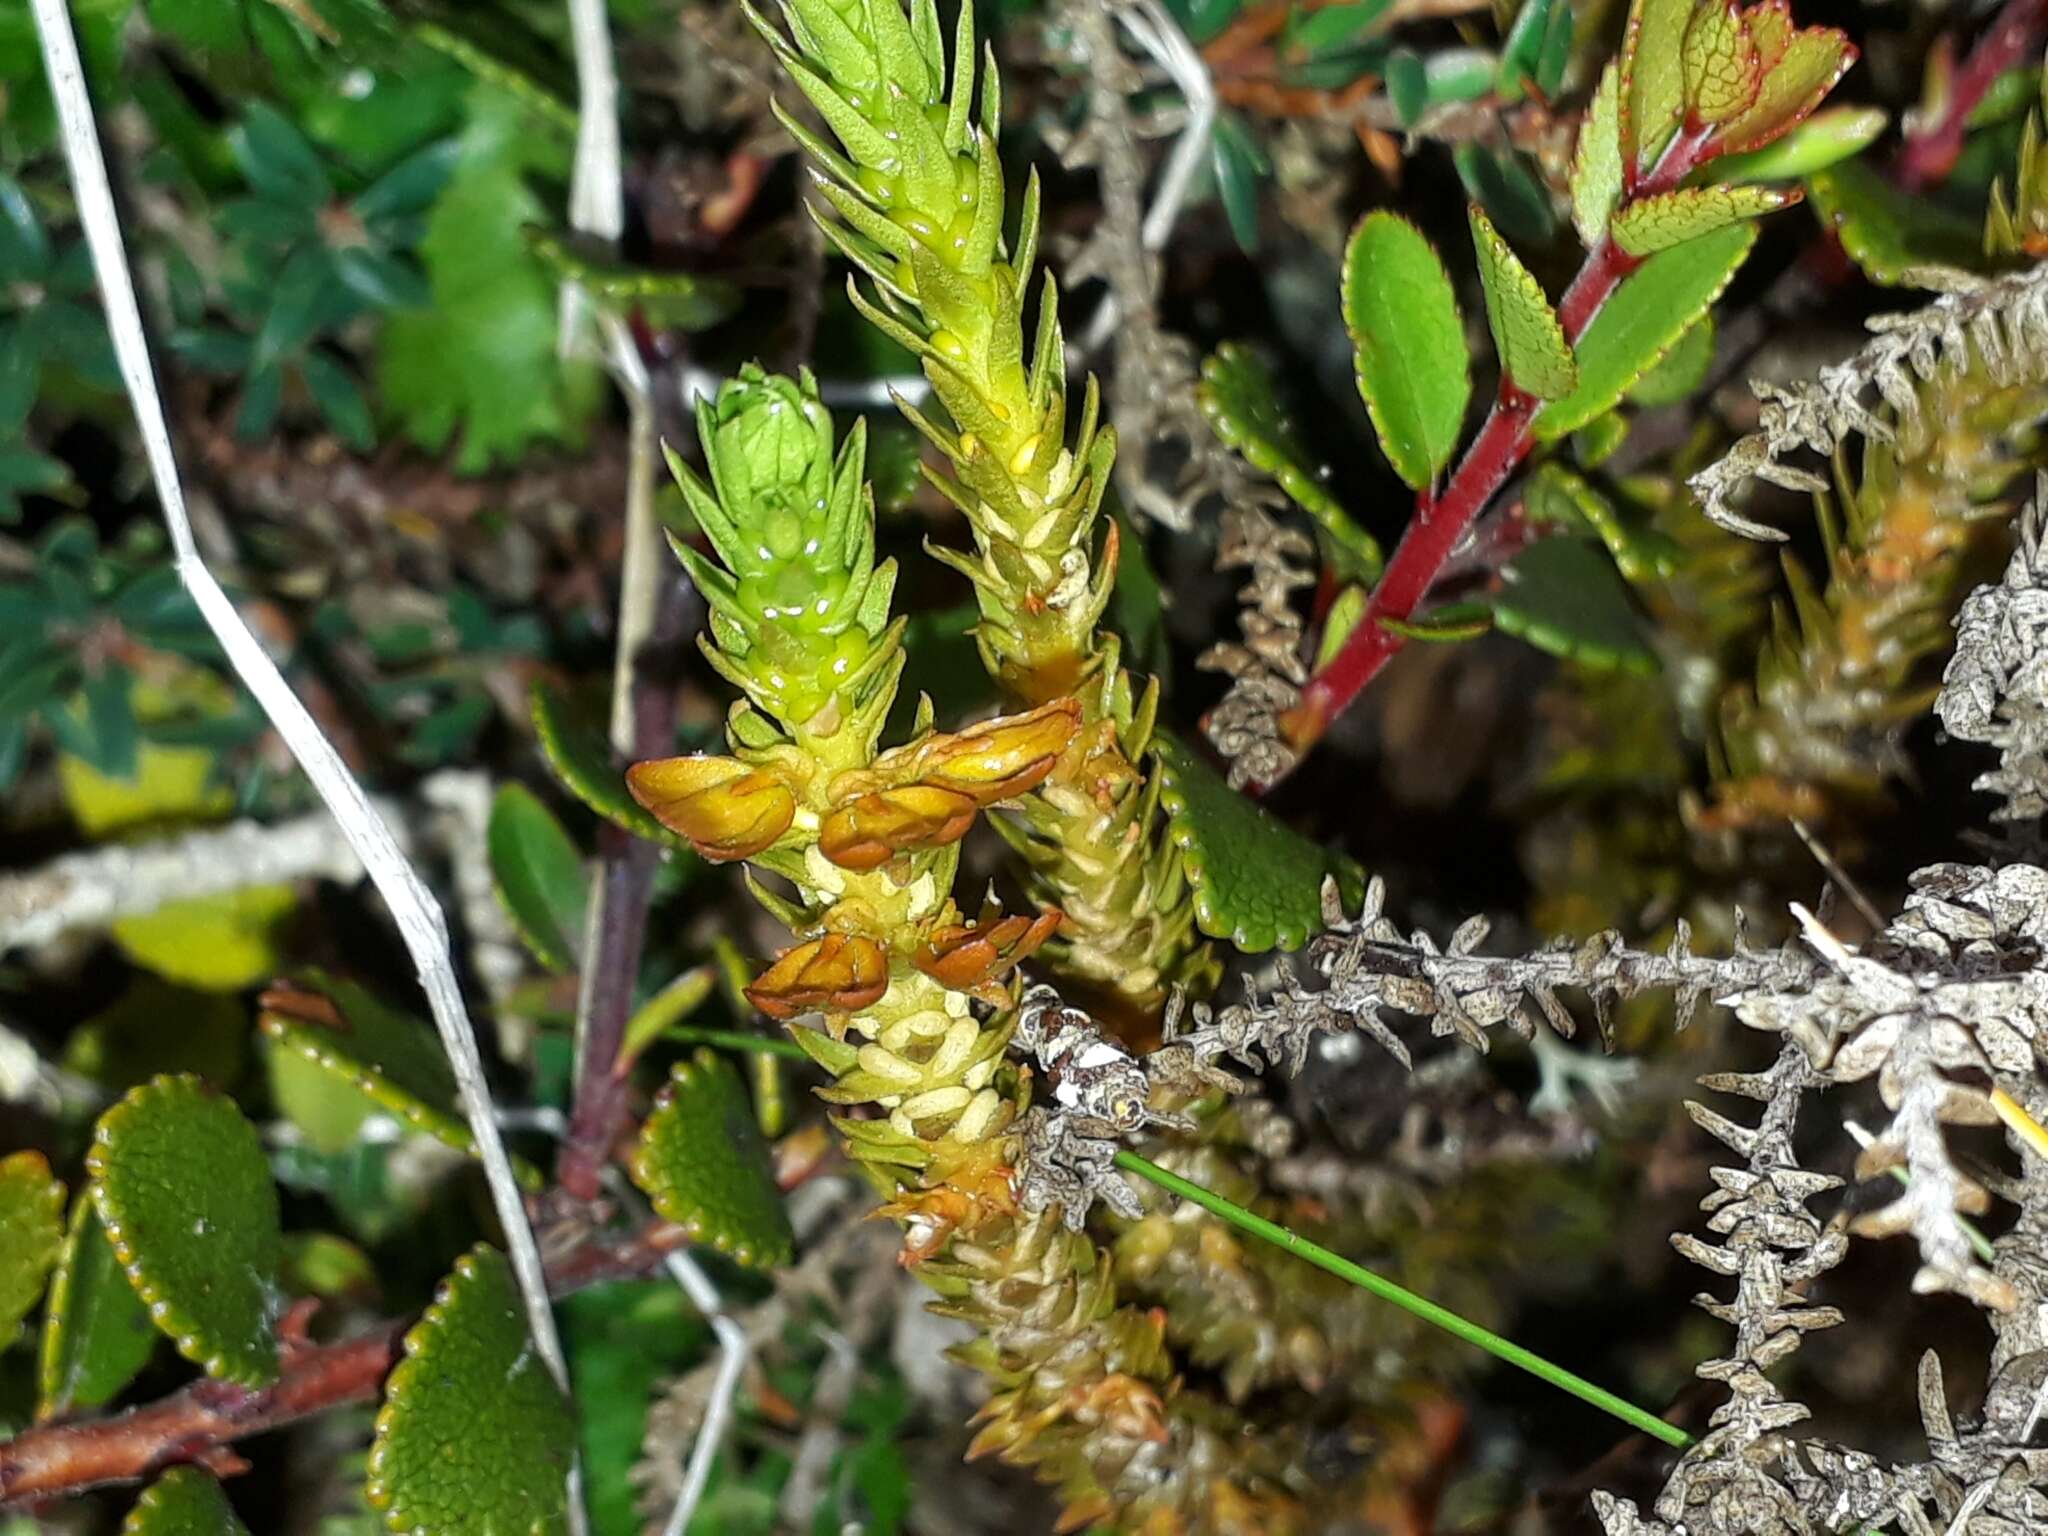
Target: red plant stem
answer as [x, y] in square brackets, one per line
[1442, 520]
[1931, 152]
[53, 1460]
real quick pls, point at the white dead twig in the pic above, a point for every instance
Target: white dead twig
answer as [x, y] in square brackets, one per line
[412, 906]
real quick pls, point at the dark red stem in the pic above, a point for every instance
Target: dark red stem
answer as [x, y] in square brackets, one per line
[1931, 150]
[1442, 520]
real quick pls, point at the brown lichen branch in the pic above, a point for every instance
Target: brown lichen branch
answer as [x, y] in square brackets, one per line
[198, 1422]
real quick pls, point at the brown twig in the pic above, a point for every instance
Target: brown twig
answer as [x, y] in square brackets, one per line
[196, 1423]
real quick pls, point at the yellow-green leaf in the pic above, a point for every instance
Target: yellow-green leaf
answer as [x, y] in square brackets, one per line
[582, 760]
[1886, 232]
[1596, 161]
[1652, 77]
[1660, 222]
[214, 943]
[538, 874]
[391, 1058]
[1239, 398]
[31, 1233]
[1257, 882]
[1410, 344]
[1655, 305]
[183, 1502]
[127, 1043]
[181, 1181]
[1563, 596]
[1720, 64]
[96, 1331]
[1813, 60]
[702, 1162]
[474, 1438]
[1819, 142]
[1533, 351]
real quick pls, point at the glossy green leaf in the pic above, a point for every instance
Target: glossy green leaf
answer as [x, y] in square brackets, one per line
[1530, 342]
[1655, 305]
[1257, 882]
[1886, 232]
[702, 1162]
[582, 759]
[278, 161]
[1413, 372]
[183, 1502]
[1652, 77]
[1719, 60]
[474, 1438]
[96, 1331]
[1240, 166]
[1559, 497]
[1681, 371]
[676, 301]
[1658, 223]
[1501, 181]
[1407, 85]
[1819, 142]
[385, 1054]
[1449, 624]
[1239, 398]
[329, 1267]
[31, 1234]
[1814, 58]
[538, 873]
[182, 1183]
[1347, 610]
[1562, 595]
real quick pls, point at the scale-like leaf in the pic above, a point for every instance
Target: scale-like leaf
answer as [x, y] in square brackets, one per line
[1562, 595]
[1257, 882]
[702, 1162]
[1531, 344]
[183, 1502]
[181, 1181]
[31, 1233]
[1653, 308]
[538, 874]
[1658, 223]
[474, 1438]
[390, 1057]
[1886, 232]
[1410, 344]
[577, 752]
[1238, 395]
[96, 1331]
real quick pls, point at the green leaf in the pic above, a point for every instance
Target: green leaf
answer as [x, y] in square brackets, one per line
[1238, 397]
[1652, 77]
[1720, 65]
[676, 301]
[1240, 166]
[1635, 329]
[1819, 142]
[1407, 85]
[539, 876]
[96, 1331]
[1347, 610]
[1257, 882]
[1658, 223]
[31, 1234]
[181, 1181]
[126, 1043]
[391, 1058]
[300, 304]
[1886, 232]
[340, 401]
[278, 161]
[1531, 344]
[1501, 182]
[183, 1502]
[1448, 624]
[1409, 342]
[582, 760]
[473, 1439]
[1562, 595]
[702, 1162]
[479, 365]
[1681, 371]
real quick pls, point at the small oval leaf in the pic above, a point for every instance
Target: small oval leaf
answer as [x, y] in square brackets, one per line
[1642, 322]
[1886, 232]
[702, 1162]
[538, 874]
[1257, 882]
[1237, 395]
[1413, 371]
[1596, 162]
[1563, 596]
[96, 1331]
[31, 1235]
[1658, 223]
[393, 1059]
[1531, 344]
[474, 1438]
[180, 1179]
[183, 1502]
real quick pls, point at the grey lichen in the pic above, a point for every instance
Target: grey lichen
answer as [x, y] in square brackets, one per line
[1995, 690]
